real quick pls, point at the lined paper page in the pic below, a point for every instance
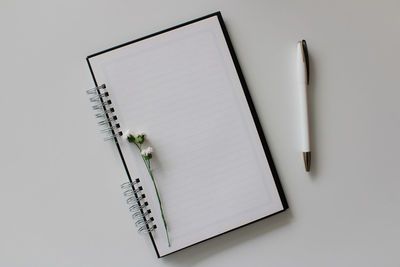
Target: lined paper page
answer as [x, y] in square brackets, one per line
[181, 88]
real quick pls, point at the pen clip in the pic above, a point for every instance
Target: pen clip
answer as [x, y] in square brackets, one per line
[305, 53]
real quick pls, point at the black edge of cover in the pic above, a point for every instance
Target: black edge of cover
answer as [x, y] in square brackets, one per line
[250, 104]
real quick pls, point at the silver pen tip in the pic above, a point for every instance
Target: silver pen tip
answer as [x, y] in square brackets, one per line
[307, 160]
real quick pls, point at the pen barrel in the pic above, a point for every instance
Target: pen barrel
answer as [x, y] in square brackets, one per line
[304, 120]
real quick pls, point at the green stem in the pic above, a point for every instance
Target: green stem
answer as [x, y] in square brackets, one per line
[138, 147]
[147, 163]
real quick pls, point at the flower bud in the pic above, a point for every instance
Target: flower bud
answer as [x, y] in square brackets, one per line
[140, 139]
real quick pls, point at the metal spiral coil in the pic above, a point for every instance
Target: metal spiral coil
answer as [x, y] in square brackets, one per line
[138, 205]
[100, 97]
[133, 192]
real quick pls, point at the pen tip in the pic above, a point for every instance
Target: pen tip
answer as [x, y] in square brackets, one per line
[307, 160]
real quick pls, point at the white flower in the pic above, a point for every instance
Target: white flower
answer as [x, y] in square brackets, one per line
[141, 134]
[147, 151]
[126, 134]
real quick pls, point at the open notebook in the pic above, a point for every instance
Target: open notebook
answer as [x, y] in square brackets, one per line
[183, 87]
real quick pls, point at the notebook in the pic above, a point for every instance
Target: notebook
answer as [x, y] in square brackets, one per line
[213, 170]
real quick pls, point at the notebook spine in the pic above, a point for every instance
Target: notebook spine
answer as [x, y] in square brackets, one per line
[132, 190]
[105, 112]
[138, 206]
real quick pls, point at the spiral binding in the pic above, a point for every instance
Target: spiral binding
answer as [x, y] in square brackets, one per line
[102, 104]
[136, 199]
[138, 206]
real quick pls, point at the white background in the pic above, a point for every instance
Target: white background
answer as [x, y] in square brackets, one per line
[60, 200]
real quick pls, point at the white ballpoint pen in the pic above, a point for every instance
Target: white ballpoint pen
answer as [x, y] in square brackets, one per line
[303, 78]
